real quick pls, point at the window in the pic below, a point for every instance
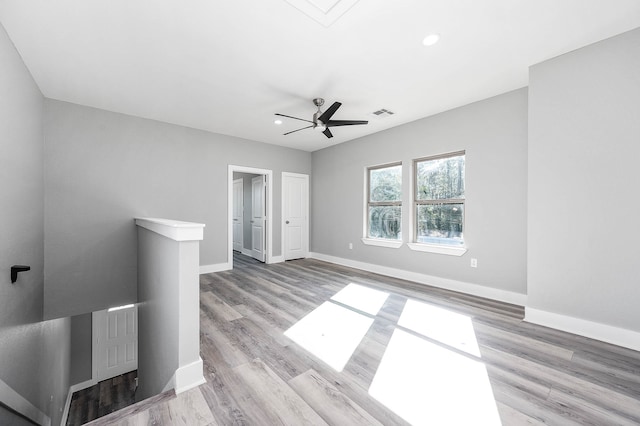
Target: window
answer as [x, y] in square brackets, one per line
[384, 202]
[439, 200]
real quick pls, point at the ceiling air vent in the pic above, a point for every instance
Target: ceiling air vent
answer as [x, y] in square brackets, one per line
[382, 113]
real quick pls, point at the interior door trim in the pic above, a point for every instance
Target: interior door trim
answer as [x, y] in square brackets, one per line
[269, 258]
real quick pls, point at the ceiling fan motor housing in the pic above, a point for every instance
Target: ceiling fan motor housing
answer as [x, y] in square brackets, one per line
[322, 120]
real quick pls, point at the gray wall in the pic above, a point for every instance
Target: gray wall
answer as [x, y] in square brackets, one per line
[494, 134]
[103, 169]
[34, 354]
[10, 418]
[81, 349]
[158, 313]
[247, 207]
[584, 146]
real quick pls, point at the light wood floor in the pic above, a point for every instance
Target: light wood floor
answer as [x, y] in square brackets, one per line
[427, 356]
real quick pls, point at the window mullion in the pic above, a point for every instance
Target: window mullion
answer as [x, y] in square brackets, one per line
[384, 203]
[443, 201]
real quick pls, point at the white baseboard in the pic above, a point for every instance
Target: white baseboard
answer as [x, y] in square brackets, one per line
[277, 259]
[171, 384]
[19, 404]
[217, 267]
[445, 283]
[73, 389]
[83, 385]
[593, 330]
[67, 405]
[189, 376]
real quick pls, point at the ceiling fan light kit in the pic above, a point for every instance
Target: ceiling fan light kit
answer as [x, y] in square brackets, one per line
[322, 120]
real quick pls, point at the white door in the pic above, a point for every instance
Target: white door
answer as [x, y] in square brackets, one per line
[295, 214]
[258, 209]
[238, 214]
[115, 341]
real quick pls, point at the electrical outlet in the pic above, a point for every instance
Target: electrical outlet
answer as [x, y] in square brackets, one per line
[474, 263]
[350, 246]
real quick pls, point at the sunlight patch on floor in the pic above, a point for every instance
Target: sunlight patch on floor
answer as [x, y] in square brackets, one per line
[440, 324]
[362, 298]
[331, 333]
[427, 384]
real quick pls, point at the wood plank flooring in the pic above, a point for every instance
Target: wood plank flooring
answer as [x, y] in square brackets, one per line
[422, 356]
[103, 398]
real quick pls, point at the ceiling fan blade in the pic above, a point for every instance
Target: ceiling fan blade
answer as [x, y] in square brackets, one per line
[297, 130]
[327, 133]
[336, 123]
[326, 116]
[295, 118]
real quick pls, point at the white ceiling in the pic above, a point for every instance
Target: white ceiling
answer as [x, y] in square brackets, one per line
[228, 66]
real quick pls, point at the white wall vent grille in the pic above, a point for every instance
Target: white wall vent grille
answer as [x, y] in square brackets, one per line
[382, 113]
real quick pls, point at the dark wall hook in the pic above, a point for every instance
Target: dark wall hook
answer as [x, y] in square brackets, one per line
[18, 268]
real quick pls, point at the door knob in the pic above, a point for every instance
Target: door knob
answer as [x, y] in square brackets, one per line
[287, 222]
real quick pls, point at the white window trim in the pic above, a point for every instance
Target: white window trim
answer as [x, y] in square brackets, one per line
[365, 224]
[382, 243]
[424, 247]
[438, 248]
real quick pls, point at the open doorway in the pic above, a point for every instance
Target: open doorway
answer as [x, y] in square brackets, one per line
[250, 204]
[249, 211]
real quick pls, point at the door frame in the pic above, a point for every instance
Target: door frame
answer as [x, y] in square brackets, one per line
[259, 180]
[241, 201]
[269, 211]
[306, 207]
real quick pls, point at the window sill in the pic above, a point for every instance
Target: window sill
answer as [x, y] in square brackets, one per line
[440, 249]
[382, 243]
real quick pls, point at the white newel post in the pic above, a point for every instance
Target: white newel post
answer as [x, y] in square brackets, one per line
[169, 293]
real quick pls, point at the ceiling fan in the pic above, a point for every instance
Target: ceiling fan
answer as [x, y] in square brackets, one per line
[322, 120]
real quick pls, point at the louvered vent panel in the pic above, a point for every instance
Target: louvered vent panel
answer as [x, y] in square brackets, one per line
[382, 113]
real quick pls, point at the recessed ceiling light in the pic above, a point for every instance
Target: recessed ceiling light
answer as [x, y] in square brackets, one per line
[278, 122]
[431, 39]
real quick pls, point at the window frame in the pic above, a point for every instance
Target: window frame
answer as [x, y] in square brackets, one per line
[378, 241]
[455, 250]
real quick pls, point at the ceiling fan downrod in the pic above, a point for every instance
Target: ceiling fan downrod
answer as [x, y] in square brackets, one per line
[318, 124]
